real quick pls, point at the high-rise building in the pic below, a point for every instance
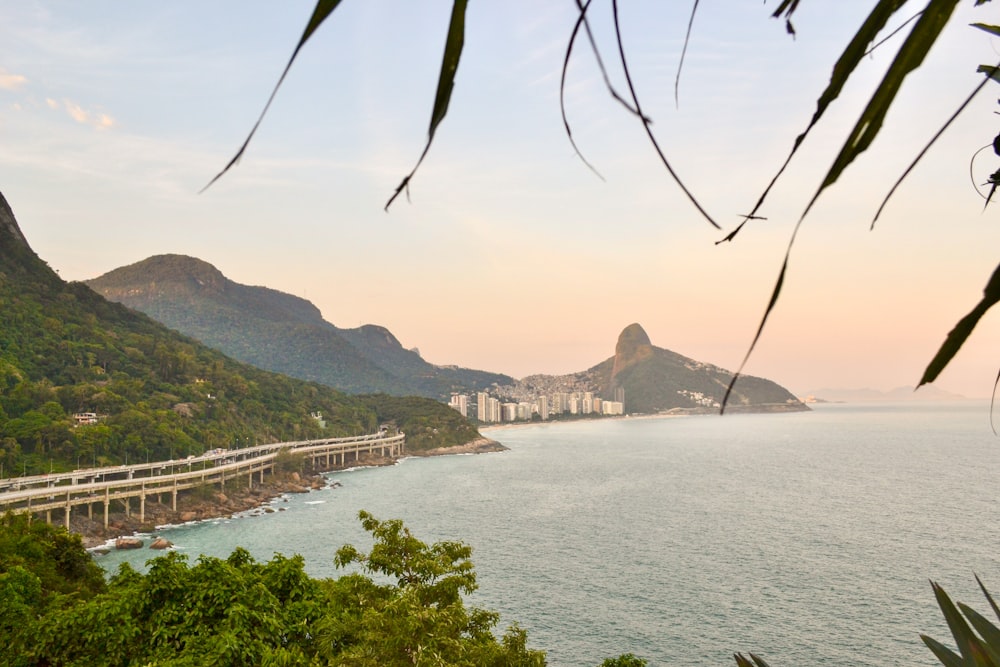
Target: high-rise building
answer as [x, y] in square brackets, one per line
[460, 402]
[482, 407]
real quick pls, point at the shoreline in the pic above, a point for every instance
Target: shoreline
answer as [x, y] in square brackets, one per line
[477, 446]
[673, 413]
[215, 503]
[212, 503]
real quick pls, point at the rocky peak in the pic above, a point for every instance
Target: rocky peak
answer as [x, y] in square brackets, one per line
[379, 334]
[159, 274]
[9, 224]
[183, 268]
[633, 345]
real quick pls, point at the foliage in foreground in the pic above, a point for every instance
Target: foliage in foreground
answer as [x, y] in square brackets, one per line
[55, 609]
[976, 638]
[236, 611]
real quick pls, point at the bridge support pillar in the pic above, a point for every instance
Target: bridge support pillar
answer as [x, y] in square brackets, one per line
[107, 505]
[48, 516]
[142, 507]
[66, 522]
[90, 511]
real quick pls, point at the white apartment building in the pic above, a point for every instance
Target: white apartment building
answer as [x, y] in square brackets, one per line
[612, 408]
[460, 402]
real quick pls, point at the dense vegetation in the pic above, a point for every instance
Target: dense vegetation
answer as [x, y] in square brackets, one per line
[159, 395]
[280, 332]
[240, 612]
[402, 605]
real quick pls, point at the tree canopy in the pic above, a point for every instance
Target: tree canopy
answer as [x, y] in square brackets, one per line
[237, 611]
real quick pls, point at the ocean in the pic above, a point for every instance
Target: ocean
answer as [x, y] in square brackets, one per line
[807, 538]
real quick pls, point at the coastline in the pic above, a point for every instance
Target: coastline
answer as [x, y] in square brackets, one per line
[213, 503]
[673, 413]
[555, 422]
[477, 446]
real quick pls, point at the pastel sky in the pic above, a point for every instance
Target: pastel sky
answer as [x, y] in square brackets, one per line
[511, 255]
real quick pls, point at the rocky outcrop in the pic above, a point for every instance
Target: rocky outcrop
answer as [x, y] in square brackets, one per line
[478, 446]
[633, 347]
[8, 222]
[128, 543]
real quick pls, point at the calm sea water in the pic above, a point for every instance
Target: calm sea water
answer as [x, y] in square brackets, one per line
[808, 538]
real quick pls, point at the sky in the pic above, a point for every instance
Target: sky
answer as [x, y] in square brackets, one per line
[510, 254]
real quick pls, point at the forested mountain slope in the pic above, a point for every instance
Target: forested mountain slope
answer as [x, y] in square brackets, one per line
[279, 331]
[64, 349]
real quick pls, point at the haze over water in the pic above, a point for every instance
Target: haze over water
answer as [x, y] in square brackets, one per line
[808, 538]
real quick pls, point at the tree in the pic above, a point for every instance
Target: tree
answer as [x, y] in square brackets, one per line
[41, 568]
[236, 611]
[927, 26]
[422, 618]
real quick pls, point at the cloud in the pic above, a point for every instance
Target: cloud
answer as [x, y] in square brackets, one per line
[76, 112]
[10, 81]
[98, 119]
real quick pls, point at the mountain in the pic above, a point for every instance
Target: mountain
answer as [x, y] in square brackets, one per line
[653, 379]
[656, 379]
[278, 331]
[150, 391]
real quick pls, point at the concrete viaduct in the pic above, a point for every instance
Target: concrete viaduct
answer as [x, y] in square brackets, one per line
[101, 486]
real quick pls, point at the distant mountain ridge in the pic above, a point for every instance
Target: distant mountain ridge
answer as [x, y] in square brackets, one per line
[655, 380]
[927, 393]
[279, 331]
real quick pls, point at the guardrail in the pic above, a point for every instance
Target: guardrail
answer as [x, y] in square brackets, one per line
[101, 486]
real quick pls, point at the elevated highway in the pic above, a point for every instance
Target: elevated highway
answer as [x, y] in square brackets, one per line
[99, 487]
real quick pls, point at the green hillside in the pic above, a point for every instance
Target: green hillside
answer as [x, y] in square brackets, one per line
[280, 332]
[158, 394]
